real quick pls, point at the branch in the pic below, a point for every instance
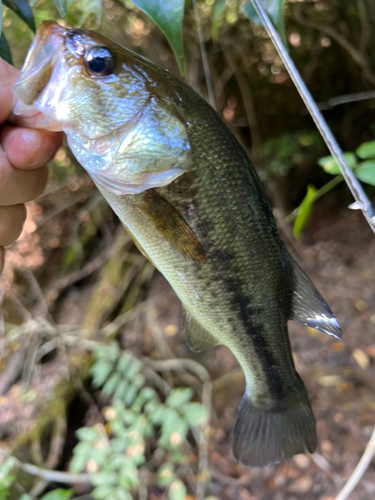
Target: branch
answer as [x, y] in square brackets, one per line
[356, 55]
[359, 470]
[362, 202]
[206, 67]
[52, 475]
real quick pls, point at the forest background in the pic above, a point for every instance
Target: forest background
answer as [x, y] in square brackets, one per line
[99, 394]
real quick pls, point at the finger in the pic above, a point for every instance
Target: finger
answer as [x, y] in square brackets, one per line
[29, 148]
[8, 77]
[11, 223]
[2, 253]
[20, 186]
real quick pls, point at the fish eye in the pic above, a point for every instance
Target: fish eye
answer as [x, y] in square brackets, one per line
[99, 61]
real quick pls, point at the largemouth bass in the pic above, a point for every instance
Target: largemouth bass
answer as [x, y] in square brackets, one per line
[190, 198]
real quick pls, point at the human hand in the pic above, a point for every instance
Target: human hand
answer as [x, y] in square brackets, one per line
[24, 154]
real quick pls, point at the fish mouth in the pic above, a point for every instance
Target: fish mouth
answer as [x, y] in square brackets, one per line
[37, 69]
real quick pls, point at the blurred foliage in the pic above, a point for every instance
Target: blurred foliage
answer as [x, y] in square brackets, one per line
[364, 171]
[70, 228]
[135, 422]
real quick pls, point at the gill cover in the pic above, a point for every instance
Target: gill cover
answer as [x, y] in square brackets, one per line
[135, 140]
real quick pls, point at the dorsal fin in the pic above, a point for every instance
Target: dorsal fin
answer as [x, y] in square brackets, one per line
[309, 307]
[197, 337]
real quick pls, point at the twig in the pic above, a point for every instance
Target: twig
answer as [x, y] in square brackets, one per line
[143, 480]
[366, 28]
[359, 470]
[322, 463]
[248, 103]
[362, 202]
[52, 475]
[79, 275]
[353, 51]
[206, 67]
[343, 99]
[13, 369]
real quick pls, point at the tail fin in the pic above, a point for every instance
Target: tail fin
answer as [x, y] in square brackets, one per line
[265, 437]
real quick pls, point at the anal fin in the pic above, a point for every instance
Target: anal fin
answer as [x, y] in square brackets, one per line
[197, 337]
[309, 307]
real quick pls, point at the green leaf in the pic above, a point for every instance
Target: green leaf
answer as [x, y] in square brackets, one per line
[88, 7]
[105, 491]
[81, 455]
[5, 50]
[304, 211]
[87, 434]
[111, 384]
[124, 361]
[104, 478]
[1, 16]
[135, 367]
[165, 475]
[58, 494]
[23, 10]
[217, 12]
[329, 164]
[366, 172]
[275, 10]
[100, 371]
[179, 396]
[195, 414]
[366, 150]
[61, 7]
[177, 490]
[168, 16]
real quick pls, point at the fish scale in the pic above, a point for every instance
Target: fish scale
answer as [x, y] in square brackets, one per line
[190, 198]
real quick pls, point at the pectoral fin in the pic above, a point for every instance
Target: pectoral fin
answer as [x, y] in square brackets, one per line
[197, 337]
[172, 226]
[309, 307]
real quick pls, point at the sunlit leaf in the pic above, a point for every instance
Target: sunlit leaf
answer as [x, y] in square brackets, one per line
[61, 7]
[58, 494]
[366, 150]
[275, 10]
[1, 16]
[23, 10]
[5, 50]
[177, 490]
[167, 15]
[89, 7]
[218, 9]
[217, 12]
[304, 211]
[366, 172]
[329, 164]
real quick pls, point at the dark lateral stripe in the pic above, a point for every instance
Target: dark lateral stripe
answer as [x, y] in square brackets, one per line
[242, 304]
